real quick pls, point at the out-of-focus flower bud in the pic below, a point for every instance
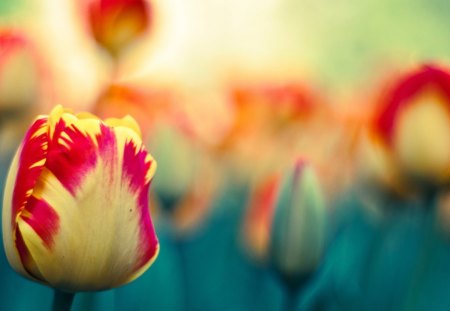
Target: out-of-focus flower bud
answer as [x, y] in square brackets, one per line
[298, 229]
[411, 129]
[286, 223]
[75, 210]
[117, 23]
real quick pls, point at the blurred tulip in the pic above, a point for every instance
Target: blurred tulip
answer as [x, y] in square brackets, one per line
[178, 164]
[411, 129]
[267, 120]
[267, 108]
[19, 75]
[188, 181]
[286, 223]
[298, 229]
[117, 23]
[75, 211]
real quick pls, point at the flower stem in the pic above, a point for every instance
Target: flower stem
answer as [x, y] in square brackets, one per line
[427, 252]
[181, 248]
[62, 301]
[290, 300]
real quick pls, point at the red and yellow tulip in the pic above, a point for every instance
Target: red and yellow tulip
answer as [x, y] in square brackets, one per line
[75, 210]
[410, 132]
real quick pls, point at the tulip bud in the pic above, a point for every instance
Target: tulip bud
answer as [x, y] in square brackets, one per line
[285, 224]
[298, 229]
[75, 209]
[117, 23]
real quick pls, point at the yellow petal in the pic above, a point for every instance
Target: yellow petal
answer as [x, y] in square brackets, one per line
[422, 136]
[127, 121]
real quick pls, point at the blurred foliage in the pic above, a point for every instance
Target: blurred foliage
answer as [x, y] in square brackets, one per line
[8, 7]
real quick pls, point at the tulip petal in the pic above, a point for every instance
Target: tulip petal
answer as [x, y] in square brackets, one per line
[95, 174]
[72, 150]
[404, 91]
[126, 121]
[422, 135]
[27, 167]
[260, 215]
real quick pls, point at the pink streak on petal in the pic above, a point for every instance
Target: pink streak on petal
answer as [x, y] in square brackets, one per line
[135, 168]
[43, 219]
[34, 149]
[71, 163]
[148, 241]
[107, 148]
[106, 141]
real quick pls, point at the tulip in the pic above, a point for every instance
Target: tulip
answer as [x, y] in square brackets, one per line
[285, 224]
[117, 23]
[75, 209]
[298, 228]
[411, 129]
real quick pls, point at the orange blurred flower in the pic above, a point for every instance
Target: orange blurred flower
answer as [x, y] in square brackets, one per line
[146, 106]
[271, 122]
[117, 23]
[267, 108]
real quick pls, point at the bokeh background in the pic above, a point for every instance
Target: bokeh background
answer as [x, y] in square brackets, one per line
[229, 93]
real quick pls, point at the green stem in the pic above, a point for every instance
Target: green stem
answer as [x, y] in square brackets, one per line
[62, 301]
[182, 256]
[290, 301]
[428, 248]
